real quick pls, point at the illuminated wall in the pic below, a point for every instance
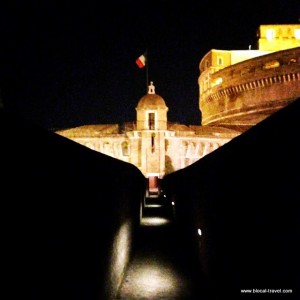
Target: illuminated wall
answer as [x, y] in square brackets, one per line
[247, 92]
[174, 149]
[152, 144]
[276, 37]
[242, 87]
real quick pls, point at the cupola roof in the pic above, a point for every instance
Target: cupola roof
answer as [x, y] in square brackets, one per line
[151, 100]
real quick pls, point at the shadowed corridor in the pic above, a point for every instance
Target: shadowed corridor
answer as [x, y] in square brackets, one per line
[162, 266]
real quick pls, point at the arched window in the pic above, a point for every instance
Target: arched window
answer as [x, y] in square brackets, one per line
[125, 149]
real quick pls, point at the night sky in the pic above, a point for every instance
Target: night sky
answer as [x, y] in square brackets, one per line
[70, 63]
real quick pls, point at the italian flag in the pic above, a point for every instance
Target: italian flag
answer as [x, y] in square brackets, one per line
[141, 61]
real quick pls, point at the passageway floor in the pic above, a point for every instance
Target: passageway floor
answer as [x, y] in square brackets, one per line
[161, 267]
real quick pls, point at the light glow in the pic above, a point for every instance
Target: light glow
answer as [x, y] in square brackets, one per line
[120, 252]
[154, 221]
[217, 81]
[271, 64]
[153, 280]
[199, 232]
[270, 34]
[156, 278]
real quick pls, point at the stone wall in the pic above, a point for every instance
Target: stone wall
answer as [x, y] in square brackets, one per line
[267, 82]
[244, 198]
[69, 215]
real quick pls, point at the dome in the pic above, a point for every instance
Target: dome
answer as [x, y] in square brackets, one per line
[151, 100]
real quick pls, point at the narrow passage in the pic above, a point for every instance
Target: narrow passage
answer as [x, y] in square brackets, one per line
[161, 267]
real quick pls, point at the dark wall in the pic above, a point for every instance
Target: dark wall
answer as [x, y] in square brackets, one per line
[69, 215]
[245, 199]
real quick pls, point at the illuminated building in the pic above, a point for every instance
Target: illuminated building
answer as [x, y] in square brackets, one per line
[237, 89]
[152, 144]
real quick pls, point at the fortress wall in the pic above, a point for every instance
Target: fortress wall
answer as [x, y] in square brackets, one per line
[252, 84]
[250, 100]
[70, 215]
[244, 197]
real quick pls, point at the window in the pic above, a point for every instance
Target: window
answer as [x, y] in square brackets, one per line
[152, 142]
[206, 64]
[270, 34]
[297, 33]
[220, 61]
[106, 149]
[125, 149]
[151, 121]
[217, 81]
[271, 64]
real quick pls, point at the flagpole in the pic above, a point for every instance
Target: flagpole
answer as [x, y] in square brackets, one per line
[143, 61]
[147, 69]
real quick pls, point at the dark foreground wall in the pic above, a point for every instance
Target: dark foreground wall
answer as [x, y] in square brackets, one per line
[69, 215]
[245, 198]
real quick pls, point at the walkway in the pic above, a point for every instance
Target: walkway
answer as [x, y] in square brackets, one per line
[161, 268]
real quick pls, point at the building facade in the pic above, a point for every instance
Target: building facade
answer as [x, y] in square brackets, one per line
[237, 89]
[152, 144]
